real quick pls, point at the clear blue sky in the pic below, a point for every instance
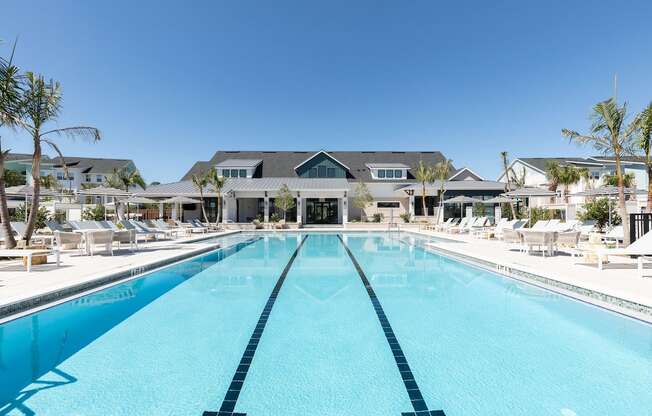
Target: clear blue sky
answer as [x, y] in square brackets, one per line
[169, 83]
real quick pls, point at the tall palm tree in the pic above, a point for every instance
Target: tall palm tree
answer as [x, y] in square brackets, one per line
[552, 174]
[629, 180]
[9, 117]
[217, 183]
[441, 172]
[424, 174]
[609, 134]
[200, 181]
[645, 142]
[568, 175]
[41, 102]
[126, 179]
[508, 180]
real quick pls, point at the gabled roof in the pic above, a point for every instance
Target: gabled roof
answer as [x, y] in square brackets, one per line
[93, 164]
[321, 152]
[281, 164]
[467, 171]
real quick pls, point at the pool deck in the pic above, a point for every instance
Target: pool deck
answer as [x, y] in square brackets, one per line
[617, 287]
[80, 273]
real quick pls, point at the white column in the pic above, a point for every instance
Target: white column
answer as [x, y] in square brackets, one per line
[160, 210]
[411, 207]
[345, 209]
[225, 210]
[299, 209]
[266, 209]
[498, 213]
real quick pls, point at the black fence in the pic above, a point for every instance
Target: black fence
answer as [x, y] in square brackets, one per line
[639, 224]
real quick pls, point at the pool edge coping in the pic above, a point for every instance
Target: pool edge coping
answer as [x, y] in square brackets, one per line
[25, 306]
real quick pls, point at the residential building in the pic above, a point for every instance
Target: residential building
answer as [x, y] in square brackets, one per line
[85, 172]
[325, 184]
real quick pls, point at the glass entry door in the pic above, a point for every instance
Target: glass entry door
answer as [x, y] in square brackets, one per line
[321, 211]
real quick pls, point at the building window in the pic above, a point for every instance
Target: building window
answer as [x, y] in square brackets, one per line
[331, 172]
[398, 173]
[389, 174]
[225, 173]
[312, 173]
[321, 171]
[393, 204]
[234, 173]
[60, 176]
[243, 173]
[88, 178]
[381, 174]
[98, 178]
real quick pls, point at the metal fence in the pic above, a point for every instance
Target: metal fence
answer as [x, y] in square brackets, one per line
[639, 224]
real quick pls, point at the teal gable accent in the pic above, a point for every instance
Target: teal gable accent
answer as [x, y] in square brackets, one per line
[321, 166]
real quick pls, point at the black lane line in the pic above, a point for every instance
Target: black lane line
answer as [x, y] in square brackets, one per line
[231, 397]
[413, 391]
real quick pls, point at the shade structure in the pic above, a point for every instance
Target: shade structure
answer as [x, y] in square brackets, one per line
[529, 192]
[499, 200]
[462, 199]
[138, 200]
[180, 200]
[609, 191]
[28, 190]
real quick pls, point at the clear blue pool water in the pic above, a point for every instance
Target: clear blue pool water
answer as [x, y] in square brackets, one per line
[475, 343]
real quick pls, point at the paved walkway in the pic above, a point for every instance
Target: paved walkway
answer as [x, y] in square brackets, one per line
[619, 278]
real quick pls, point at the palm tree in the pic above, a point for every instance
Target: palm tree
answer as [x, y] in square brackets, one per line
[41, 102]
[9, 117]
[217, 183]
[552, 173]
[508, 181]
[568, 175]
[441, 172]
[629, 180]
[200, 181]
[645, 142]
[125, 179]
[609, 135]
[424, 174]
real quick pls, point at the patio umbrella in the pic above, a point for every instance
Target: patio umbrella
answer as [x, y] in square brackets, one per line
[137, 200]
[528, 193]
[180, 200]
[499, 200]
[104, 191]
[27, 190]
[609, 191]
[462, 199]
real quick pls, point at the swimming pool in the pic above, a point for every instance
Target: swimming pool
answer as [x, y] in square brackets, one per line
[325, 324]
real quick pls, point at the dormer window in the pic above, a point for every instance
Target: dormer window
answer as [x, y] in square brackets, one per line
[238, 168]
[388, 171]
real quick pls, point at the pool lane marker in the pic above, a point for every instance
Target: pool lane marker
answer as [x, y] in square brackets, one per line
[231, 397]
[411, 386]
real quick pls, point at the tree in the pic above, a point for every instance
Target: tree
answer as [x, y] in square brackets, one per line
[508, 181]
[424, 174]
[552, 174]
[49, 182]
[97, 213]
[200, 181]
[10, 93]
[441, 172]
[41, 104]
[629, 180]
[645, 143]
[599, 210]
[609, 134]
[362, 198]
[566, 176]
[284, 200]
[13, 178]
[125, 179]
[217, 183]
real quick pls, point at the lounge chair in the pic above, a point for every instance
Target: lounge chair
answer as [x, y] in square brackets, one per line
[462, 224]
[28, 255]
[68, 240]
[542, 239]
[20, 229]
[513, 237]
[162, 225]
[120, 236]
[100, 237]
[568, 240]
[540, 225]
[641, 249]
[127, 225]
[553, 225]
[190, 226]
[614, 235]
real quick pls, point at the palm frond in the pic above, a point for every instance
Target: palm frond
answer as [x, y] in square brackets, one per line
[85, 132]
[59, 153]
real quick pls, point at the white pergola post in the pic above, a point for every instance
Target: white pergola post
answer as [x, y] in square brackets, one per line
[411, 207]
[266, 208]
[299, 208]
[160, 210]
[225, 210]
[345, 209]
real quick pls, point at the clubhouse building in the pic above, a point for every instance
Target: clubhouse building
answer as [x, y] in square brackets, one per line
[324, 185]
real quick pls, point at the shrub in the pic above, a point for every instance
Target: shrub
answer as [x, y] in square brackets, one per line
[42, 216]
[598, 211]
[406, 217]
[378, 217]
[94, 214]
[274, 217]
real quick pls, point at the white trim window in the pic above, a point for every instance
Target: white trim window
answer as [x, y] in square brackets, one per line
[388, 204]
[388, 174]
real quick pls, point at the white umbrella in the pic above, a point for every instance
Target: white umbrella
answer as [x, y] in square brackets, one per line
[180, 200]
[529, 193]
[609, 191]
[462, 199]
[137, 200]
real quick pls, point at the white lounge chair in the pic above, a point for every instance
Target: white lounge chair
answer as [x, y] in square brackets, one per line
[615, 235]
[540, 225]
[28, 254]
[641, 249]
[461, 226]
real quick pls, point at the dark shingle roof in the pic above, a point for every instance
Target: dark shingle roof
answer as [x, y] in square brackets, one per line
[93, 164]
[23, 156]
[541, 162]
[281, 164]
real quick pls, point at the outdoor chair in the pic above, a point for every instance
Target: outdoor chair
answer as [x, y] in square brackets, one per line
[513, 237]
[463, 223]
[568, 240]
[540, 225]
[614, 235]
[101, 237]
[543, 240]
[120, 236]
[641, 249]
[68, 240]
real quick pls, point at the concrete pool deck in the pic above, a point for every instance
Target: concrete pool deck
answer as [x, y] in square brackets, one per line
[45, 283]
[617, 287]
